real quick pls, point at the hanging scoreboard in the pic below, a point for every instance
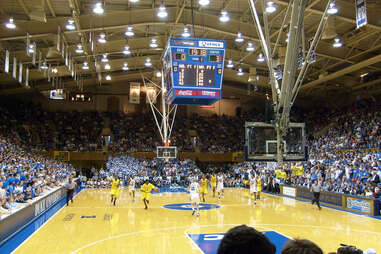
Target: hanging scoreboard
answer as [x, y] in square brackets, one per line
[193, 70]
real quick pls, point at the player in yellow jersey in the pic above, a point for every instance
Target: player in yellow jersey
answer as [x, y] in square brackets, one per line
[259, 187]
[203, 187]
[114, 189]
[213, 183]
[146, 188]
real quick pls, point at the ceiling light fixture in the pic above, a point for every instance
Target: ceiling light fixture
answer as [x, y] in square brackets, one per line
[261, 58]
[107, 67]
[108, 77]
[134, 1]
[158, 74]
[44, 66]
[239, 38]
[129, 32]
[104, 59]
[125, 67]
[186, 32]
[98, 8]
[224, 17]
[203, 2]
[162, 13]
[337, 43]
[126, 50]
[148, 62]
[31, 48]
[250, 47]
[288, 37]
[79, 49]
[10, 24]
[240, 72]
[85, 66]
[270, 8]
[153, 43]
[54, 70]
[70, 25]
[102, 38]
[332, 8]
[230, 64]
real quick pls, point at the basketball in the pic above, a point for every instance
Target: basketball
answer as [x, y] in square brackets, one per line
[156, 189]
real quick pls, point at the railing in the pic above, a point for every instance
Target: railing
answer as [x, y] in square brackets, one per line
[21, 217]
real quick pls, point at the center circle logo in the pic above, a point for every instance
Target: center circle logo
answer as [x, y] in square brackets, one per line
[188, 206]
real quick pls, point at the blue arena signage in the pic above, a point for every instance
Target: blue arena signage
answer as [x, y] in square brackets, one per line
[360, 205]
[188, 206]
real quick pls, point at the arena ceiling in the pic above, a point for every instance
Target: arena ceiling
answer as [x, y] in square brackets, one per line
[336, 69]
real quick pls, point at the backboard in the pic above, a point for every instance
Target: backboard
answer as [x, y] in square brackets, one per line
[261, 142]
[166, 152]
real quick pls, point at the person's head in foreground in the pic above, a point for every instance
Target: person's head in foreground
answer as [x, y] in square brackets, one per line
[245, 240]
[301, 246]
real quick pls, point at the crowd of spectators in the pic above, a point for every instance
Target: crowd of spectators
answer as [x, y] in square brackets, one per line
[45, 131]
[341, 170]
[162, 173]
[25, 175]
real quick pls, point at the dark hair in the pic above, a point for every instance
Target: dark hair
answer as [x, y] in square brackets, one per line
[245, 240]
[301, 246]
[348, 250]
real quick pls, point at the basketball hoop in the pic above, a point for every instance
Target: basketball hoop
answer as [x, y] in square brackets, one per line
[166, 152]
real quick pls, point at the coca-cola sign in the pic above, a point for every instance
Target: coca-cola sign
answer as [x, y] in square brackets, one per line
[185, 92]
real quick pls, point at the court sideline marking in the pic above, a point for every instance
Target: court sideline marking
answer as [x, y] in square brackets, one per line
[45, 223]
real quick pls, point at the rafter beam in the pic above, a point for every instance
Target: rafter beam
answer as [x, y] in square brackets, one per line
[51, 9]
[208, 27]
[370, 83]
[343, 72]
[178, 16]
[339, 17]
[24, 7]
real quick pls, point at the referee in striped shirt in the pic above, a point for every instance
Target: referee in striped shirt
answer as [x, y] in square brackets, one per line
[70, 186]
[316, 188]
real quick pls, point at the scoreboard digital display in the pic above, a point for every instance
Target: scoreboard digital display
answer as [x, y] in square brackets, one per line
[198, 75]
[193, 70]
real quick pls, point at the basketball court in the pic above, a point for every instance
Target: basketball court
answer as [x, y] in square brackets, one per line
[92, 225]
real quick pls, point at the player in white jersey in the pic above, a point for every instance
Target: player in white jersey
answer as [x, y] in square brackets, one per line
[131, 188]
[253, 187]
[194, 191]
[220, 185]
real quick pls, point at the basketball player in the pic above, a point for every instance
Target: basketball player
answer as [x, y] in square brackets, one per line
[316, 188]
[146, 188]
[253, 188]
[220, 185]
[213, 183]
[115, 189]
[194, 190]
[204, 187]
[131, 188]
[259, 187]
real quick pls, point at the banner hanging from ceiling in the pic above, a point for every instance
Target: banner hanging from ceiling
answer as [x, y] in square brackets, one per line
[361, 15]
[151, 95]
[134, 93]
